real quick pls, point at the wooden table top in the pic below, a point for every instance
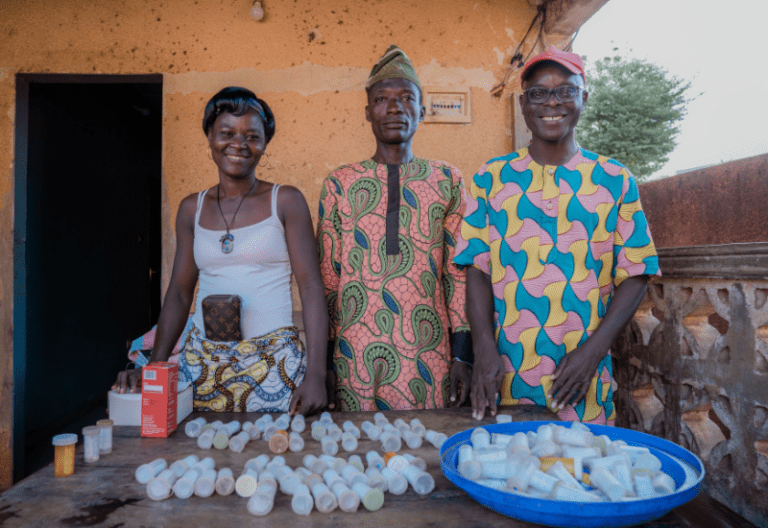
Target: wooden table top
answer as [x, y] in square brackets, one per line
[106, 493]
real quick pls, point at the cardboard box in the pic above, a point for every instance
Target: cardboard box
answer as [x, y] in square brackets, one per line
[125, 409]
[159, 399]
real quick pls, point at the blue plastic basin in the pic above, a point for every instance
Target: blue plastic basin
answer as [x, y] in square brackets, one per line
[561, 513]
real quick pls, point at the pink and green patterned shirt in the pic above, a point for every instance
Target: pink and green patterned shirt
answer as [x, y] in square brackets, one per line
[391, 313]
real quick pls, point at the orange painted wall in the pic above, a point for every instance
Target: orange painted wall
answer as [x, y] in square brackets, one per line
[308, 60]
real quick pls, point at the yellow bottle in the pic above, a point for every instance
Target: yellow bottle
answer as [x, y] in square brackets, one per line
[64, 455]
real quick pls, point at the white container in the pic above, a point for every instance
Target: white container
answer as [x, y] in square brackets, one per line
[396, 484]
[105, 436]
[373, 432]
[206, 484]
[125, 409]
[347, 499]
[181, 466]
[146, 472]
[421, 482]
[375, 479]
[356, 461]
[225, 482]
[302, 502]
[91, 441]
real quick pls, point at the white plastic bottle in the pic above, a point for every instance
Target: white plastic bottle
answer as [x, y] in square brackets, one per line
[262, 502]
[181, 466]
[375, 460]
[372, 432]
[302, 501]
[347, 499]
[146, 472]
[295, 442]
[421, 482]
[225, 482]
[325, 500]
[245, 485]
[375, 479]
[372, 498]
[348, 441]
[396, 484]
[184, 487]
[159, 488]
[237, 443]
[206, 484]
[193, 428]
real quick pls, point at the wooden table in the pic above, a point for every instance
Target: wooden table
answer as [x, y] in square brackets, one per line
[106, 493]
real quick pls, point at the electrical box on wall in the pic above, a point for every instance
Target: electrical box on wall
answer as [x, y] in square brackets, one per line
[447, 105]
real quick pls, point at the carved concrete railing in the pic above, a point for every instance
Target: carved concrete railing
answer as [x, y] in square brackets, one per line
[692, 367]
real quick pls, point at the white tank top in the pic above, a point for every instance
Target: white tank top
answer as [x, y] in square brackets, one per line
[258, 270]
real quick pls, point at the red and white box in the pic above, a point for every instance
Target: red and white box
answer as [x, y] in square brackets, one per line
[158, 399]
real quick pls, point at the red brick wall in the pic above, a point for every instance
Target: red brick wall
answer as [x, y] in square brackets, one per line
[724, 204]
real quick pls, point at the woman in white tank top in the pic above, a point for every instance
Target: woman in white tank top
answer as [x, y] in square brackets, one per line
[245, 237]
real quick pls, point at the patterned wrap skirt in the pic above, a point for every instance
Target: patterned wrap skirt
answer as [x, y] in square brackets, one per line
[253, 375]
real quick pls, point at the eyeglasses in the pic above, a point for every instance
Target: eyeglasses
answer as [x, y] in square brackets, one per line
[565, 93]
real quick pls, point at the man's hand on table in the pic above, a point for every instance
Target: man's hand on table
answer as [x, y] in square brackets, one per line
[460, 378]
[487, 375]
[573, 376]
[127, 381]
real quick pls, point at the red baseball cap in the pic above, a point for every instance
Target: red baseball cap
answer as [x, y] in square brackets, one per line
[571, 61]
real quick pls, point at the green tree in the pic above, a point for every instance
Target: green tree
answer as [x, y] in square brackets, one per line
[633, 113]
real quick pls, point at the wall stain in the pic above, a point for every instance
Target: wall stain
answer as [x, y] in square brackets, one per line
[98, 513]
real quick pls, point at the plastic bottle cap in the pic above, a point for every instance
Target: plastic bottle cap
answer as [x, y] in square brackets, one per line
[397, 463]
[64, 439]
[348, 501]
[386, 456]
[158, 489]
[279, 442]
[205, 486]
[260, 504]
[397, 485]
[302, 504]
[245, 486]
[91, 430]
[373, 500]
[183, 488]
[225, 486]
[105, 423]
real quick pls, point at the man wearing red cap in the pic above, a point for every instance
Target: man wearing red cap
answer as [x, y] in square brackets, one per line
[558, 252]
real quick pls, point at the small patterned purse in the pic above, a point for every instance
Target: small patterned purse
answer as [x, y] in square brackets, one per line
[221, 317]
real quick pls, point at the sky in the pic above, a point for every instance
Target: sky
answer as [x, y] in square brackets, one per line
[721, 46]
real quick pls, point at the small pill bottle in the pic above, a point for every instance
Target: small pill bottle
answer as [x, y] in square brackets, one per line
[64, 454]
[279, 442]
[105, 436]
[91, 443]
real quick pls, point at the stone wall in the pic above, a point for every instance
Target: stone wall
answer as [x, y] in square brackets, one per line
[692, 367]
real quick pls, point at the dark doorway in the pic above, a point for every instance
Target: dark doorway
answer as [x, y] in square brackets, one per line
[87, 251]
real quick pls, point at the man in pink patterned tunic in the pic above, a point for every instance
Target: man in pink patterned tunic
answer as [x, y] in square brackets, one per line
[386, 237]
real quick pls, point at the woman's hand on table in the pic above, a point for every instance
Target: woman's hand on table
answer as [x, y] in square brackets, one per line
[127, 381]
[309, 397]
[460, 378]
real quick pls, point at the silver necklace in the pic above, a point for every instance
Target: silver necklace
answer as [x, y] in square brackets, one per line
[228, 240]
